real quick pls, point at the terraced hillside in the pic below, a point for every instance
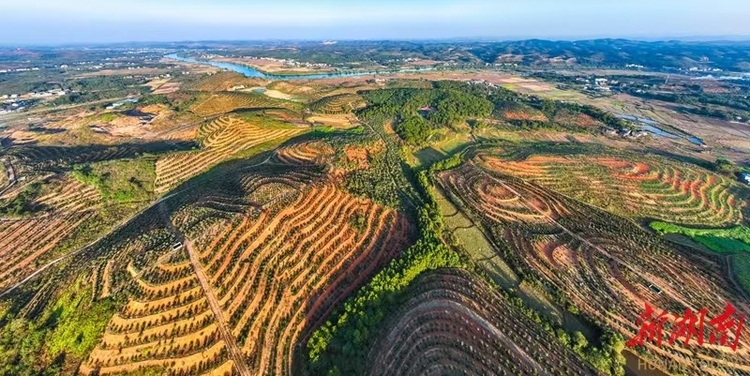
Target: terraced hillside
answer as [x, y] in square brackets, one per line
[269, 252]
[632, 186]
[224, 102]
[221, 139]
[56, 215]
[166, 325]
[279, 272]
[604, 265]
[338, 104]
[457, 324]
[310, 152]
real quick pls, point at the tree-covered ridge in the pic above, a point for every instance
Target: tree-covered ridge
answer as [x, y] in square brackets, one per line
[418, 112]
[597, 53]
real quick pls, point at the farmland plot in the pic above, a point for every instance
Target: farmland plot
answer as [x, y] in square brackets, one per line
[338, 104]
[24, 241]
[274, 249]
[454, 323]
[167, 325]
[221, 103]
[605, 265]
[66, 205]
[279, 272]
[306, 153]
[220, 139]
[643, 187]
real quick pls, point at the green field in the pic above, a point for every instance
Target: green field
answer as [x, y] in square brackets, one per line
[733, 242]
[721, 240]
[473, 241]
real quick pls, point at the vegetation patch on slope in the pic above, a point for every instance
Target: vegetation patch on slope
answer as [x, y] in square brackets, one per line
[120, 181]
[721, 240]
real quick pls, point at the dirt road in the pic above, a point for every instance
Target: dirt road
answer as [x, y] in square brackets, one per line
[235, 353]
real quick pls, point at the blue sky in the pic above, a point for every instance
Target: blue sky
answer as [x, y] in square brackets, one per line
[82, 21]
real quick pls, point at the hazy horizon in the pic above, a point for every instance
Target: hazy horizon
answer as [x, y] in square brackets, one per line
[47, 22]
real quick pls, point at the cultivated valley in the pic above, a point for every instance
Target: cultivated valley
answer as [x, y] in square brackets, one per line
[362, 208]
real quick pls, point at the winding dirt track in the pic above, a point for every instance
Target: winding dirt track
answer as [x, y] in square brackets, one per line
[234, 351]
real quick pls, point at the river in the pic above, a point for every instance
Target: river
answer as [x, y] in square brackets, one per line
[652, 127]
[252, 72]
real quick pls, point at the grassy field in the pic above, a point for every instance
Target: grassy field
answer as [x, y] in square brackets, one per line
[120, 181]
[733, 242]
[473, 241]
[721, 240]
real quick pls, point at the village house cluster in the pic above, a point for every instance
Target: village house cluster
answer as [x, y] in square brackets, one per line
[19, 70]
[18, 102]
[292, 63]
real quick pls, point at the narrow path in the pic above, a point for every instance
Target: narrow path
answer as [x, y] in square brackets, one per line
[234, 351]
[240, 364]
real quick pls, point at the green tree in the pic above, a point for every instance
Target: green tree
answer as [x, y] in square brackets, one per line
[579, 342]
[724, 166]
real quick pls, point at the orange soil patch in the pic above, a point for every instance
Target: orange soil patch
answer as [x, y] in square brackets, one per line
[360, 156]
[615, 164]
[342, 121]
[641, 168]
[290, 88]
[513, 115]
[388, 126]
[168, 88]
